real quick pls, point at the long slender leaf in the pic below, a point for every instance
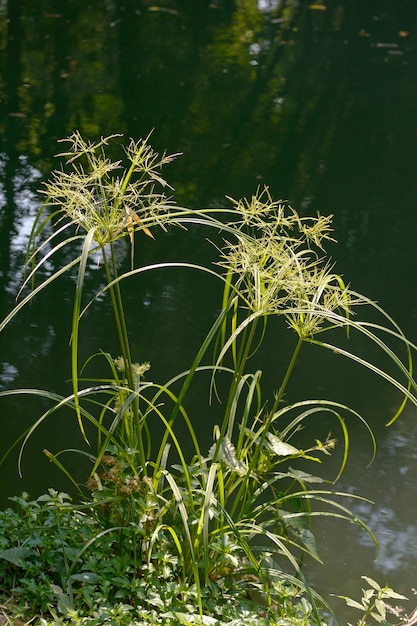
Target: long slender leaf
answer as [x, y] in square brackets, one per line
[75, 325]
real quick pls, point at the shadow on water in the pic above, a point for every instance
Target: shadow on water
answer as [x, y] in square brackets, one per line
[315, 100]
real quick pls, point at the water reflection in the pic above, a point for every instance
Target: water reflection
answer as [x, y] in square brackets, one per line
[348, 552]
[394, 518]
[8, 375]
[20, 200]
[269, 5]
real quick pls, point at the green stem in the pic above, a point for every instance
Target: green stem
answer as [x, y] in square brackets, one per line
[117, 303]
[240, 498]
[242, 357]
[287, 376]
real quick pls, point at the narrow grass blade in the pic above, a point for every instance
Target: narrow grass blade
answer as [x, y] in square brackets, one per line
[75, 325]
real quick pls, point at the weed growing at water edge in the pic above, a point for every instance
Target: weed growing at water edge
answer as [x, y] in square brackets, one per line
[218, 535]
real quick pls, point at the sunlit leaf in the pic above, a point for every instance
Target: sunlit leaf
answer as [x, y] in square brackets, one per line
[226, 452]
[303, 476]
[372, 583]
[279, 447]
[354, 604]
[368, 594]
[397, 596]
[380, 607]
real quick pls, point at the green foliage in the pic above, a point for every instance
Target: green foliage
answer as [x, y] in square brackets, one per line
[373, 603]
[219, 534]
[57, 558]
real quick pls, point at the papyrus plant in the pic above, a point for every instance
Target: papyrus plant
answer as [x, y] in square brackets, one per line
[235, 514]
[91, 203]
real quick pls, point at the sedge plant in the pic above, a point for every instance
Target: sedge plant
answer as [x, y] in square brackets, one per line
[234, 519]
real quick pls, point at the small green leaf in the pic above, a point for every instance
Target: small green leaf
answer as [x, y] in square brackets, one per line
[17, 556]
[380, 607]
[368, 594]
[372, 582]
[86, 577]
[64, 603]
[377, 617]
[393, 594]
[354, 604]
[309, 542]
[71, 553]
[227, 453]
[303, 476]
[279, 447]
[155, 600]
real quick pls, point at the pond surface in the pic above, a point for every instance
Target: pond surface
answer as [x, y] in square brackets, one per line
[315, 100]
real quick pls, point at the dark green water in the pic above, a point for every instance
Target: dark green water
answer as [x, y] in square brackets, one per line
[315, 100]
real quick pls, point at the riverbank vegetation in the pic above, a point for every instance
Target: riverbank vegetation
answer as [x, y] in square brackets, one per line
[164, 530]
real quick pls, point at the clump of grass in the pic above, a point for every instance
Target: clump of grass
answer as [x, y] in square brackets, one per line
[218, 535]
